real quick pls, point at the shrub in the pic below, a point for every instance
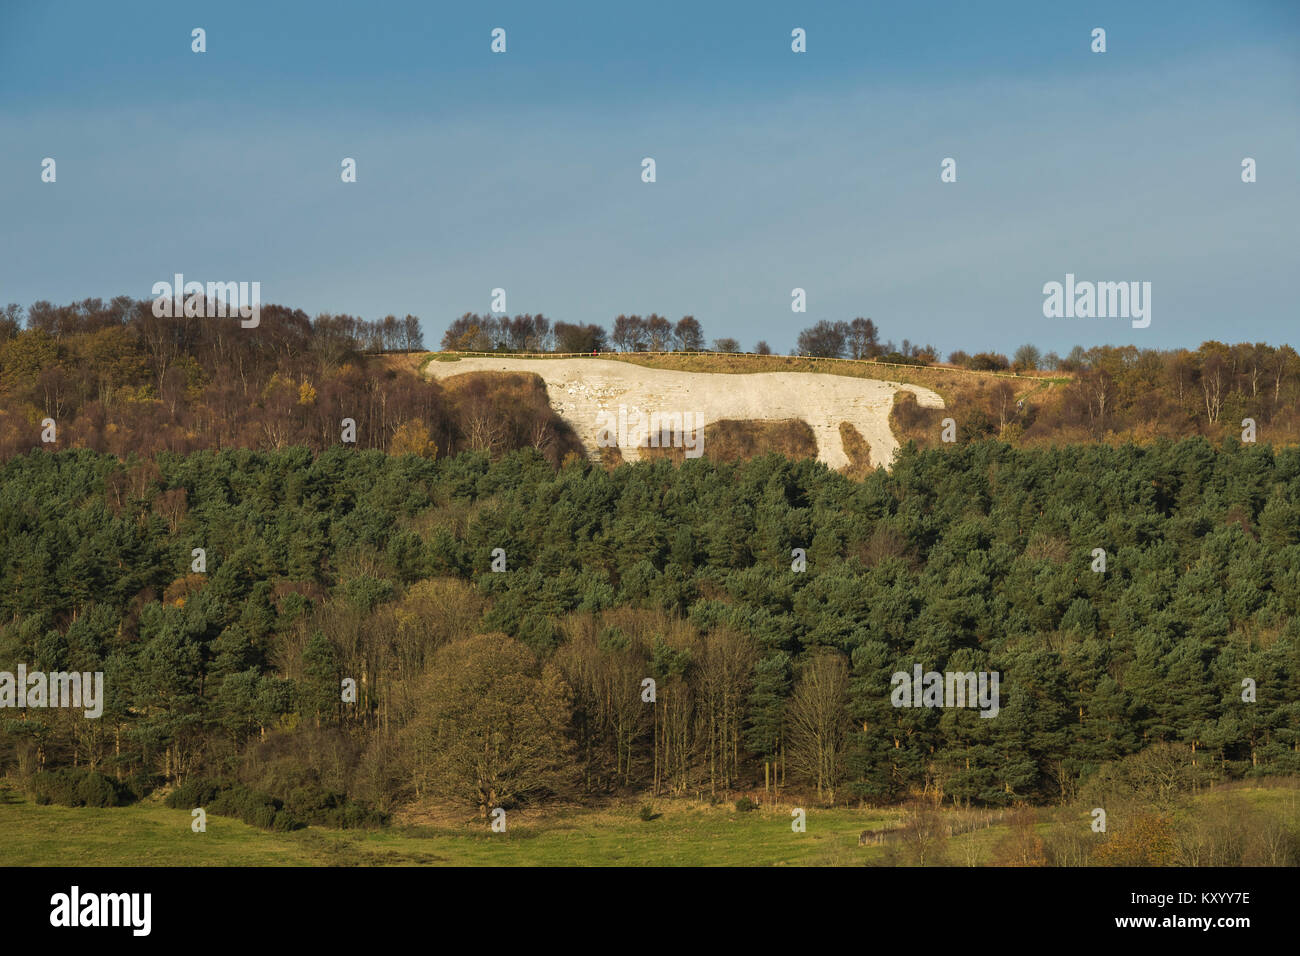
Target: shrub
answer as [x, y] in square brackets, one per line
[305, 805]
[744, 805]
[140, 784]
[330, 809]
[49, 787]
[254, 808]
[77, 787]
[191, 794]
[1148, 840]
[97, 790]
[989, 362]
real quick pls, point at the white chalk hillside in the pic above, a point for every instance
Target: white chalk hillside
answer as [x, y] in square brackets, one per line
[580, 388]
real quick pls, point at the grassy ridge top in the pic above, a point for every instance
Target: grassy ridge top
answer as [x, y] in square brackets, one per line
[973, 398]
[1120, 395]
[948, 380]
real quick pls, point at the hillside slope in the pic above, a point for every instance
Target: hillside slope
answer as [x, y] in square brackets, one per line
[581, 388]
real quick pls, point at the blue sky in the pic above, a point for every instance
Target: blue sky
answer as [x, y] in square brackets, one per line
[775, 170]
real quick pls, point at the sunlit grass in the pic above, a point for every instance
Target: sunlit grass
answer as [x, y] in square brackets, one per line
[685, 833]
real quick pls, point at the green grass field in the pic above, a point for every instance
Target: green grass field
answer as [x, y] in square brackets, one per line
[685, 834]
[150, 834]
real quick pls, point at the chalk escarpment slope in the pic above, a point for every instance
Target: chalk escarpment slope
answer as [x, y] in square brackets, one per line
[580, 388]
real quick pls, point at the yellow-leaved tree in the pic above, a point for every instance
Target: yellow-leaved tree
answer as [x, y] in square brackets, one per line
[412, 438]
[492, 728]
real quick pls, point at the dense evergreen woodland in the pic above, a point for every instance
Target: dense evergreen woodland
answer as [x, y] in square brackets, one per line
[483, 688]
